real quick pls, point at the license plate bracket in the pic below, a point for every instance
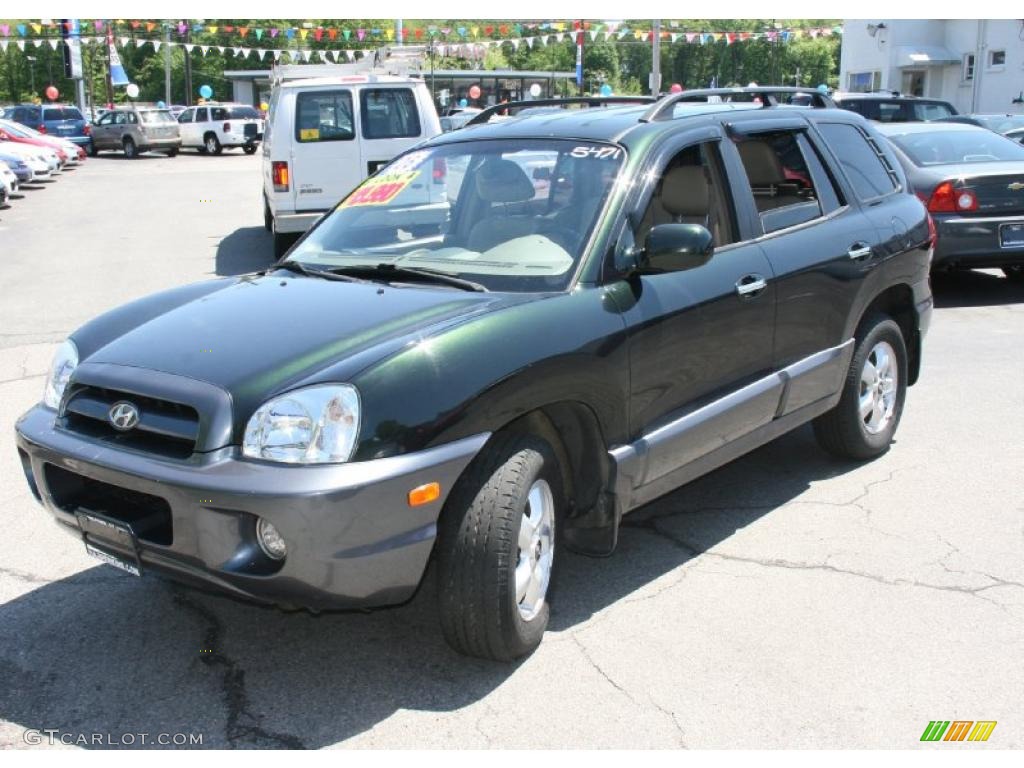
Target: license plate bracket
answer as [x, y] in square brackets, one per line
[1011, 235]
[99, 530]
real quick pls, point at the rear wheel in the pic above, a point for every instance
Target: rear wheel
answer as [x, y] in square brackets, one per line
[496, 549]
[863, 423]
[212, 144]
[172, 152]
[130, 150]
[1015, 273]
[249, 149]
[92, 149]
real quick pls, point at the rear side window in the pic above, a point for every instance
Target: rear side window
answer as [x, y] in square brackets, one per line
[931, 111]
[186, 116]
[389, 113]
[780, 179]
[202, 115]
[863, 162]
[218, 113]
[324, 116]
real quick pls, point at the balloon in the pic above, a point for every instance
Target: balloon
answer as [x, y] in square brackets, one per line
[606, 90]
[676, 88]
[205, 91]
[264, 106]
[535, 90]
[823, 88]
[52, 93]
[463, 103]
[161, 105]
[132, 90]
[474, 91]
[752, 84]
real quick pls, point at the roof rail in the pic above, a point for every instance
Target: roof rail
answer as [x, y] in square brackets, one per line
[590, 101]
[663, 108]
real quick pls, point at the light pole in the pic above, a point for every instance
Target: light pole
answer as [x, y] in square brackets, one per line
[32, 73]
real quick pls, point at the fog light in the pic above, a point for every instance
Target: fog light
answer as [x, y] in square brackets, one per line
[270, 540]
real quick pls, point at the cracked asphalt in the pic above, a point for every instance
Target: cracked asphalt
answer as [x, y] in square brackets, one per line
[787, 600]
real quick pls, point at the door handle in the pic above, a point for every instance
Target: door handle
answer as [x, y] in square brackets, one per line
[750, 286]
[859, 251]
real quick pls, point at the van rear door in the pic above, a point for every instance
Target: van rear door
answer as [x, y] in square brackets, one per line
[325, 153]
[390, 121]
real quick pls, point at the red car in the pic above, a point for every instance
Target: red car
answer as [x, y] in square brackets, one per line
[20, 134]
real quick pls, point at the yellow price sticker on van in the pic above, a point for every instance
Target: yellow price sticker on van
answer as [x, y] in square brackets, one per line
[379, 190]
[309, 134]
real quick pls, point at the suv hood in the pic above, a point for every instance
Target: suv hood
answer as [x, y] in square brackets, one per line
[256, 336]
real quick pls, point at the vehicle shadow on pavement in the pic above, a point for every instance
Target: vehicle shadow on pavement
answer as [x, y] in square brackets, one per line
[971, 288]
[103, 652]
[245, 250]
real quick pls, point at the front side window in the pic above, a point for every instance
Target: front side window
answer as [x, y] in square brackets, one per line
[324, 116]
[202, 115]
[511, 215]
[931, 111]
[107, 119]
[780, 179]
[389, 113]
[861, 160]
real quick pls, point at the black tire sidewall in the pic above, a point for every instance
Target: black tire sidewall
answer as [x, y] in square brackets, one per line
[884, 329]
[133, 152]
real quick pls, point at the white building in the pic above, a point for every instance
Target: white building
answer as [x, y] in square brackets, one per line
[977, 65]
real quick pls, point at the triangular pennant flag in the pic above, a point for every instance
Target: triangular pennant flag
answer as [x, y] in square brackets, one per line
[260, 53]
[277, 55]
[221, 48]
[236, 51]
[205, 49]
[259, 33]
[22, 29]
[515, 43]
[303, 33]
[332, 33]
[350, 54]
[3, 45]
[37, 28]
[124, 41]
[21, 44]
[243, 31]
[189, 47]
[213, 30]
[53, 43]
[360, 34]
[156, 45]
[346, 33]
[274, 31]
[150, 26]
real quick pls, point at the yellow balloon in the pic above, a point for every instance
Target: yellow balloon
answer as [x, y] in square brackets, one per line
[264, 106]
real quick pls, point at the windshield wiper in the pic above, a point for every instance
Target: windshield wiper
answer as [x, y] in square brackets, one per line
[301, 269]
[391, 272]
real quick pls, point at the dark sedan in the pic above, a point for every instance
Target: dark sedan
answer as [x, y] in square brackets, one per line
[972, 181]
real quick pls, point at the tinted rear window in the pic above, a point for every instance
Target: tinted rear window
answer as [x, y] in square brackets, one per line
[941, 147]
[243, 113]
[389, 113]
[860, 158]
[61, 113]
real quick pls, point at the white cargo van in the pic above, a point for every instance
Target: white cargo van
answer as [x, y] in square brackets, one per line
[324, 136]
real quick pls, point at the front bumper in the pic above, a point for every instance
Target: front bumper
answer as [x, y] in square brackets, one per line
[353, 540]
[290, 223]
[973, 241]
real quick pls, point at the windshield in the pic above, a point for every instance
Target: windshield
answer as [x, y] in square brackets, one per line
[943, 147]
[21, 131]
[1003, 124]
[156, 116]
[510, 215]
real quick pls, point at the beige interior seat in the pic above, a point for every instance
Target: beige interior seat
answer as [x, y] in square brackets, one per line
[501, 182]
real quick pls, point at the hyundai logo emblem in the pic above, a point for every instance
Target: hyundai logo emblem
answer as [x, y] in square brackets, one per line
[123, 415]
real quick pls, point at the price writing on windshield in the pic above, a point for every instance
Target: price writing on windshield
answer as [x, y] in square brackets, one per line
[379, 190]
[597, 152]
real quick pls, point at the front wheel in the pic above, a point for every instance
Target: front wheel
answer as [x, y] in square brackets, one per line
[1014, 273]
[212, 144]
[172, 152]
[130, 150]
[496, 549]
[863, 423]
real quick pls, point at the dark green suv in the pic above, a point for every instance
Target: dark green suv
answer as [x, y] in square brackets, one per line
[495, 347]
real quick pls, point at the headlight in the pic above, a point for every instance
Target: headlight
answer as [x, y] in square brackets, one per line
[315, 425]
[63, 365]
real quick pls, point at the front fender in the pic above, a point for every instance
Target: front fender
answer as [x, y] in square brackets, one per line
[481, 375]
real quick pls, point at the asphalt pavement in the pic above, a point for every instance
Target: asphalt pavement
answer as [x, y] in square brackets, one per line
[786, 600]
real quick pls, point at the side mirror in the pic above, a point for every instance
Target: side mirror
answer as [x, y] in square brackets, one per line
[674, 248]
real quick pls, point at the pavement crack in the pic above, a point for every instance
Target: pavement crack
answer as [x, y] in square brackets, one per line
[597, 667]
[242, 725]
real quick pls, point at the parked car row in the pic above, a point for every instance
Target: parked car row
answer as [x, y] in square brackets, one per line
[30, 157]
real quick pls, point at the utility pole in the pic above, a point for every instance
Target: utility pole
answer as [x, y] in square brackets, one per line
[398, 32]
[188, 66]
[656, 59]
[110, 84]
[167, 63]
[579, 55]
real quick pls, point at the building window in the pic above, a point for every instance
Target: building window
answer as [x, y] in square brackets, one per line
[996, 59]
[864, 82]
[967, 70]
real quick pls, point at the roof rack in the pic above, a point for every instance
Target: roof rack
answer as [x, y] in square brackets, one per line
[590, 101]
[663, 108]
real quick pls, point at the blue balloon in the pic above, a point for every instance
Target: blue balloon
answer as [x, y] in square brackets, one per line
[205, 91]
[161, 105]
[606, 90]
[823, 88]
[463, 103]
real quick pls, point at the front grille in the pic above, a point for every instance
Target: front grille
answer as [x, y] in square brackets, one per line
[149, 516]
[165, 428]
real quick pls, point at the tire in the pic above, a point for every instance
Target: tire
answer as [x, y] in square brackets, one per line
[130, 150]
[515, 478]
[1014, 273]
[846, 431]
[268, 217]
[282, 242]
[201, 150]
[92, 149]
[249, 149]
[212, 144]
[172, 152]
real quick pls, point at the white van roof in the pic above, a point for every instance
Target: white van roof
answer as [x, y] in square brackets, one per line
[348, 80]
